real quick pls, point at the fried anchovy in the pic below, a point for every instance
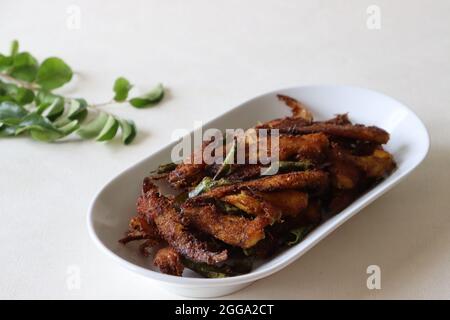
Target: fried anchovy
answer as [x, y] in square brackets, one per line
[223, 271]
[140, 229]
[290, 202]
[298, 109]
[314, 179]
[155, 207]
[191, 171]
[231, 229]
[352, 131]
[168, 260]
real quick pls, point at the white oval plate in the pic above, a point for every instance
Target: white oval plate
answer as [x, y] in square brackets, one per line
[114, 205]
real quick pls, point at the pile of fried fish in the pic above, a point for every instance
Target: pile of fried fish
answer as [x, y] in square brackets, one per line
[225, 218]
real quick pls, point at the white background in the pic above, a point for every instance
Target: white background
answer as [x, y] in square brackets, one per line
[213, 55]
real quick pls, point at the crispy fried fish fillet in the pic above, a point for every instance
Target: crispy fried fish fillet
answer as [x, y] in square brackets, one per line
[168, 260]
[155, 207]
[290, 202]
[232, 229]
[316, 180]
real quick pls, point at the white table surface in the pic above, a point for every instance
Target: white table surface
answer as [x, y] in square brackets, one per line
[213, 55]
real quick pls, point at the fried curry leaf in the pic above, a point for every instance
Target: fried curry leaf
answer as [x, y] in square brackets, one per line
[226, 207]
[227, 162]
[223, 271]
[298, 234]
[164, 168]
[207, 184]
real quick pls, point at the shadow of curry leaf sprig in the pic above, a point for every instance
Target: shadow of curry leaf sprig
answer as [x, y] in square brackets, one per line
[28, 105]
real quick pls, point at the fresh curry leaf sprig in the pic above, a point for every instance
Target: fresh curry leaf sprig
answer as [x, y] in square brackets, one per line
[29, 107]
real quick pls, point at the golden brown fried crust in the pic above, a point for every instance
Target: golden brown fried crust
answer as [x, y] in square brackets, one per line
[298, 109]
[312, 147]
[191, 171]
[315, 180]
[285, 125]
[251, 203]
[289, 202]
[307, 147]
[347, 159]
[357, 131]
[376, 165]
[140, 229]
[339, 119]
[234, 230]
[186, 175]
[312, 214]
[301, 116]
[244, 172]
[344, 175]
[340, 199]
[160, 209]
[168, 260]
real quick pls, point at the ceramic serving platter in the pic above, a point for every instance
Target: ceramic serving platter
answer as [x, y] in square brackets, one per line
[114, 205]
